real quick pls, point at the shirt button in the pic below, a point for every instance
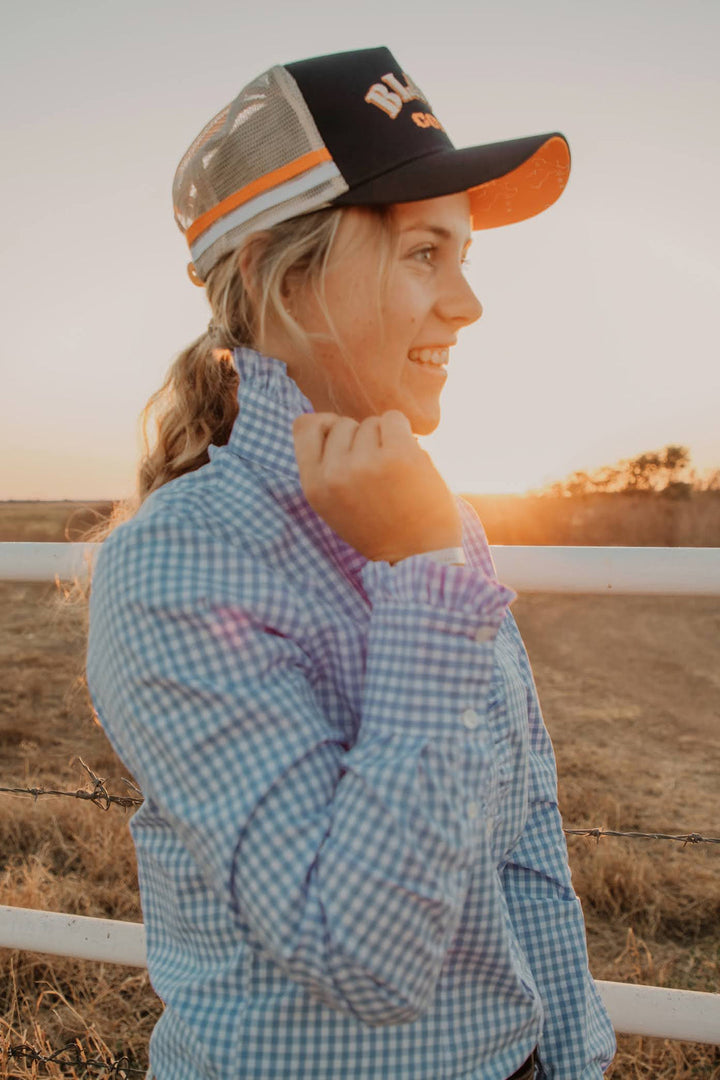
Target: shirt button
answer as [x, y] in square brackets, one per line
[473, 810]
[470, 719]
[484, 633]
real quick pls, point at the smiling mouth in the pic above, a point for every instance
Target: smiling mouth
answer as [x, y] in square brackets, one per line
[431, 358]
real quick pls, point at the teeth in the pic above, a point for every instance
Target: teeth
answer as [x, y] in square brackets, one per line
[429, 356]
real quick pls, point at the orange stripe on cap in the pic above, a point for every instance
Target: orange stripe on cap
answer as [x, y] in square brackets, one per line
[255, 187]
[525, 191]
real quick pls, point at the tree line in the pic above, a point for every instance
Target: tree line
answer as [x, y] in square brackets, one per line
[667, 472]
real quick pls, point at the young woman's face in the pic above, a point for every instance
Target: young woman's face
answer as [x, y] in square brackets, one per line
[389, 348]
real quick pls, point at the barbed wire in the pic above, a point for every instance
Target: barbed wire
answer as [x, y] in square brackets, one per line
[71, 1056]
[100, 796]
[683, 838]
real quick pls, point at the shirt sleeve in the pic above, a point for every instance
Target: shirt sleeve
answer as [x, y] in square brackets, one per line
[348, 863]
[578, 1041]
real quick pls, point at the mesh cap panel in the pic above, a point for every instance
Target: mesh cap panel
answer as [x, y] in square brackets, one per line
[260, 161]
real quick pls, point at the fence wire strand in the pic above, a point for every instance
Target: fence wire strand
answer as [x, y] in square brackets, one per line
[71, 1056]
[99, 795]
[683, 838]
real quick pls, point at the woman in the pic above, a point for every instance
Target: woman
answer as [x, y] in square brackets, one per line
[350, 856]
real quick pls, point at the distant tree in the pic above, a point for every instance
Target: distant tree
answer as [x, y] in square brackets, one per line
[710, 481]
[609, 478]
[674, 475]
[578, 483]
[665, 471]
[676, 458]
[641, 471]
[677, 489]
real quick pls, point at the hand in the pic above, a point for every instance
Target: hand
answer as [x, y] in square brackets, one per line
[374, 486]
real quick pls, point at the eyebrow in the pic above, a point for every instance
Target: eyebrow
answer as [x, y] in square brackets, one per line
[437, 230]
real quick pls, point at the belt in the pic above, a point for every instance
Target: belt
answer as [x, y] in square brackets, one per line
[526, 1070]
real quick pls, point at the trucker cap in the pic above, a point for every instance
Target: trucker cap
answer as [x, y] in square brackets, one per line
[347, 129]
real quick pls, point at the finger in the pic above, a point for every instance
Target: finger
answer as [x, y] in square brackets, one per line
[339, 439]
[309, 433]
[367, 437]
[395, 430]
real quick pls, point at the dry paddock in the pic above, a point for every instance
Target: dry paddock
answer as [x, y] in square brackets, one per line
[630, 688]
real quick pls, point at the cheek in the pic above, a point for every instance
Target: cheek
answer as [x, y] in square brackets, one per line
[353, 306]
[408, 304]
[377, 330]
[368, 330]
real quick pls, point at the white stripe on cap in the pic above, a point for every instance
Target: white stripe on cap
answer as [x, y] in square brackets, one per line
[320, 174]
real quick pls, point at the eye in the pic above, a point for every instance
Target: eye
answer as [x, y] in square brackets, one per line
[427, 254]
[429, 251]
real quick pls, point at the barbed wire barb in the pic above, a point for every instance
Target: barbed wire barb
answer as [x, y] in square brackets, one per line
[99, 795]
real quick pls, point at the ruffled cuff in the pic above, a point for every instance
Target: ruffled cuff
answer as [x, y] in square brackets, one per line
[420, 580]
[431, 649]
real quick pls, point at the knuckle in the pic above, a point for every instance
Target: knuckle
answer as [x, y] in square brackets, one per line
[335, 478]
[395, 416]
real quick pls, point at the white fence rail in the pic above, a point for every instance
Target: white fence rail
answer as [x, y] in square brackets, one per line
[634, 1009]
[668, 571]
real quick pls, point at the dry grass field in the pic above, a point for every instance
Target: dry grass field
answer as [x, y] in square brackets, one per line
[630, 688]
[624, 520]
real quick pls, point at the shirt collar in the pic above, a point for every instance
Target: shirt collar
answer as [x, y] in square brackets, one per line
[268, 400]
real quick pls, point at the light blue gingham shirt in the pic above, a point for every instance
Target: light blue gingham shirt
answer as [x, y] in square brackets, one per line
[350, 856]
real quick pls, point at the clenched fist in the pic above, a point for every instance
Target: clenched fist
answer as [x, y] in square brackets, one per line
[374, 486]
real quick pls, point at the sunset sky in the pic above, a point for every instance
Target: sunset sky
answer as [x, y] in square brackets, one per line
[599, 337]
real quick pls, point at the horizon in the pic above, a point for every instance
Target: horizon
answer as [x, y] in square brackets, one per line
[599, 336]
[462, 491]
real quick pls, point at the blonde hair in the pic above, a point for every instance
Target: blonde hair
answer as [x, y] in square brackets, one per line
[197, 404]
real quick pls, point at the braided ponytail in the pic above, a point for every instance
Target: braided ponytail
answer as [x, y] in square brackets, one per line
[195, 406]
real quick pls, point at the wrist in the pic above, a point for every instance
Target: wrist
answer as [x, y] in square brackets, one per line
[449, 556]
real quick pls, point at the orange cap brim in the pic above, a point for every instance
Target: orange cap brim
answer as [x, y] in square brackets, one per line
[527, 190]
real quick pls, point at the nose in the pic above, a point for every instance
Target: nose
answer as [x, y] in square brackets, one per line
[458, 303]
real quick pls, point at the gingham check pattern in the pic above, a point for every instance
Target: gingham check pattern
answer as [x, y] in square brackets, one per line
[350, 856]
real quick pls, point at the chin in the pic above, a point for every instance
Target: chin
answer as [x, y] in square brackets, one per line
[423, 425]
